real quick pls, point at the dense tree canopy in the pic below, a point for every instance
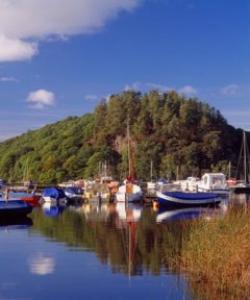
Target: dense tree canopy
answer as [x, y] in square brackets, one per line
[178, 134]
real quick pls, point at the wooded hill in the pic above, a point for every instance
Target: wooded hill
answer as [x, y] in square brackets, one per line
[174, 132]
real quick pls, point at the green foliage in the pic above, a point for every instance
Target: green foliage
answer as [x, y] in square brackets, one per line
[167, 129]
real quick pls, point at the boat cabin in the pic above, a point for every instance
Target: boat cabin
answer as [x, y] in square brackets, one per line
[213, 182]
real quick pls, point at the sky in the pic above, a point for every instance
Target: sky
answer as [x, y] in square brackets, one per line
[60, 57]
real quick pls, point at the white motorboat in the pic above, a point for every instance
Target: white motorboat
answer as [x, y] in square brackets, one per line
[129, 192]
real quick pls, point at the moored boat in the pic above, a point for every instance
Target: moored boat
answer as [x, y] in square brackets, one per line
[30, 198]
[183, 199]
[54, 195]
[33, 200]
[129, 192]
[73, 192]
[209, 183]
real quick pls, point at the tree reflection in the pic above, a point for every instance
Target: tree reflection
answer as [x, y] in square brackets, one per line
[126, 238]
[130, 240]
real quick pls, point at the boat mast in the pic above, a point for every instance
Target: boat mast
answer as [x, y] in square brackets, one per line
[229, 169]
[151, 170]
[105, 169]
[26, 170]
[129, 149]
[245, 157]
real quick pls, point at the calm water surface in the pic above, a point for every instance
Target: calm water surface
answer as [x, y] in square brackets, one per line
[96, 252]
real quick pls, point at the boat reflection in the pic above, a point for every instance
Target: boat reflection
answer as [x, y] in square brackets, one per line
[17, 223]
[242, 200]
[121, 212]
[52, 209]
[191, 213]
[129, 212]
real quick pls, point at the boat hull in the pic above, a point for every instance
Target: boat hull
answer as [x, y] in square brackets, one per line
[54, 201]
[182, 199]
[132, 194]
[217, 191]
[32, 200]
[133, 197]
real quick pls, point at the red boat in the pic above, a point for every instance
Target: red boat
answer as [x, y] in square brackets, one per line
[33, 200]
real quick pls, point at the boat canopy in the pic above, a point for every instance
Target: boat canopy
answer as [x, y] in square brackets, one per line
[73, 190]
[214, 181]
[54, 192]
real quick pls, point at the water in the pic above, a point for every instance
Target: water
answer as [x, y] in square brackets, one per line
[96, 252]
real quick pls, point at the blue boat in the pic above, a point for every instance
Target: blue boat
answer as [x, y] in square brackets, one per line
[73, 192]
[10, 209]
[183, 199]
[54, 195]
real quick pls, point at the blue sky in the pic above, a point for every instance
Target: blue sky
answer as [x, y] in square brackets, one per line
[52, 69]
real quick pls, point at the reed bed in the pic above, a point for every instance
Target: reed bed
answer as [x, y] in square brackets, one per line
[216, 255]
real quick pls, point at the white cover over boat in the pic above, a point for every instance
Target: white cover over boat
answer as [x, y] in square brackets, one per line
[129, 193]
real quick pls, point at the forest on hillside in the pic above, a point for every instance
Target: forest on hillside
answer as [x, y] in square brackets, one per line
[175, 133]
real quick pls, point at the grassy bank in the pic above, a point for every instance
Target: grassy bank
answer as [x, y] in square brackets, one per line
[217, 255]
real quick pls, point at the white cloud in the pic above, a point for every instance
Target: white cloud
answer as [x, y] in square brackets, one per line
[91, 97]
[141, 86]
[136, 86]
[230, 90]
[15, 50]
[8, 79]
[24, 22]
[159, 87]
[188, 90]
[41, 98]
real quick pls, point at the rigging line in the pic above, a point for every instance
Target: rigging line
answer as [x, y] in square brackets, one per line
[245, 158]
[248, 160]
[239, 159]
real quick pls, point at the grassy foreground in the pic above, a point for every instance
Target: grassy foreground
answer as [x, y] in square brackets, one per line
[217, 256]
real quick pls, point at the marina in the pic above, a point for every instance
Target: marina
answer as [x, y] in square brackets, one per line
[124, 150]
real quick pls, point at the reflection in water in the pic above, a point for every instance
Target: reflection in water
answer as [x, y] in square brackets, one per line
[191, 213]
[17, 223]
[51, 209]
[42, 265]
[128, 238]
[242, 200]
[131, 240]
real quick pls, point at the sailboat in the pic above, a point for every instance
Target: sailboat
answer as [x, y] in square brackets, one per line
[243, 186]
[129, 191]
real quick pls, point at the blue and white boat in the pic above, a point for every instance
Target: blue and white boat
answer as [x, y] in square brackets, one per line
[73, 192]
[183, 199]
[54, 195]
[14, 209]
